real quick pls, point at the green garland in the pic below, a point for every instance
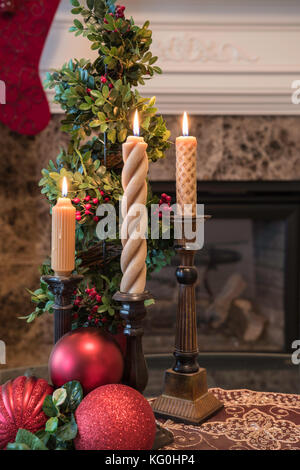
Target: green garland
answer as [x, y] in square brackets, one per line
[101, 97]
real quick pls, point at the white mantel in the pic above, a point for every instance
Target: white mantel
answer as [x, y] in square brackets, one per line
[218, 56]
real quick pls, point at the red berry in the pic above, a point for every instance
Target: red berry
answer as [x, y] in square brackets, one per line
[87, 290]
[116, 31]
[96, 219]
[95, 200]
[106, 199]
[110, 86]
[98, 298]
[88, 91]
[105, 21]
[87, 198]
[96, 321]
[168, 199]
[76, 200]
[95, 308]
[103, 79]
[78, 213]
[78, 217]
[77, 302]
[161, 202]
[93, 293]
[102, 193]
[88, 206]
[90, 318]
[163, 195]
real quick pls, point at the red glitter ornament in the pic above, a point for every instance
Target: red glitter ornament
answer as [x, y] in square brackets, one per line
[115, 417]
[21, 402]
[87, 355]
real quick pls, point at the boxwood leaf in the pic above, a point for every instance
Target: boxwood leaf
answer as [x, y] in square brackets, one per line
[74, 395]
[49, 408]
[68, 431]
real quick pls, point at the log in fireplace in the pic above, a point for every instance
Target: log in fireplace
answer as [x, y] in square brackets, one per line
[248, 283]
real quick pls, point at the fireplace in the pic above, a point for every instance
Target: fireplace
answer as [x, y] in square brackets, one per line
[248, 271]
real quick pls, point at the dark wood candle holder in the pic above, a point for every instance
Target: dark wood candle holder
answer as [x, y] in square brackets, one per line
[63, 290]
[185, 396]
[133, 311]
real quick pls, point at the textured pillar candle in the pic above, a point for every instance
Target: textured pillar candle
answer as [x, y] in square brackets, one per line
[186, 178]
[63, 235]
[133, 258]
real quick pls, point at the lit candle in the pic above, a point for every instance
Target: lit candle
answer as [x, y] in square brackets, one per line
[63, 235]
[133, 258]
[186, 178]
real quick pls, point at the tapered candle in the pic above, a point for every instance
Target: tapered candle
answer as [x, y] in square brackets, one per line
[63, 235]
[186, 178]
[133, 258]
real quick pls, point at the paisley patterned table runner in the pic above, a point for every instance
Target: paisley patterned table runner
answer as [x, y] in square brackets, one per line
[249, 421]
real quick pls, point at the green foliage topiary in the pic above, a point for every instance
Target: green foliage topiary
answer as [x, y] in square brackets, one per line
[99, 99]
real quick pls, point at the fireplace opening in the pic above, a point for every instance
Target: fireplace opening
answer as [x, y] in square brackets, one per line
[247, 293]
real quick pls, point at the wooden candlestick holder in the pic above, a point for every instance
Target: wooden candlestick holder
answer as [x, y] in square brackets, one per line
[63, 290]
[133, 311]
[185, 396]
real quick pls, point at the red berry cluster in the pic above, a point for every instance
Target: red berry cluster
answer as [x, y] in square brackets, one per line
[165, 202]
[90, 302]
[96, 299]
[104, 80]
[120, 11]
[88, 206]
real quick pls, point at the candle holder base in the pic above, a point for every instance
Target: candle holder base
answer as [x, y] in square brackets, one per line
[63, 289]
[186, 398]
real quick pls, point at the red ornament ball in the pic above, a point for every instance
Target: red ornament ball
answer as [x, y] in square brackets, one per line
[87, 355]
[21, 402]
[115, 417]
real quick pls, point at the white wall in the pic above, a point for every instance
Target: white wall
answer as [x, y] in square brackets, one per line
[218, 56]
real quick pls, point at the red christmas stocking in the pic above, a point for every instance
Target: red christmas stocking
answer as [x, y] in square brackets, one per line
[24, 25]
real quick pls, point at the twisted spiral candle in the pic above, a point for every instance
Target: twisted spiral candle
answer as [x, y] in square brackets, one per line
[134, 216]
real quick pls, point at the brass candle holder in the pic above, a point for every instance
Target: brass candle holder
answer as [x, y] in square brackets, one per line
[133, 311]
[185, 394]
[63, 288]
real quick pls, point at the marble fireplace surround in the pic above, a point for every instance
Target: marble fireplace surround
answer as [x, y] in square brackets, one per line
[233, 57]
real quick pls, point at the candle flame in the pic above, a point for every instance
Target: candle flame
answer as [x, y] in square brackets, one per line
[185, 125]
[64, 187]
[136, 127]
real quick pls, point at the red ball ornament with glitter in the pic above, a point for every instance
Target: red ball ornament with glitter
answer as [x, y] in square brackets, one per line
[87, 355]
[21, 402]
[115, 417]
